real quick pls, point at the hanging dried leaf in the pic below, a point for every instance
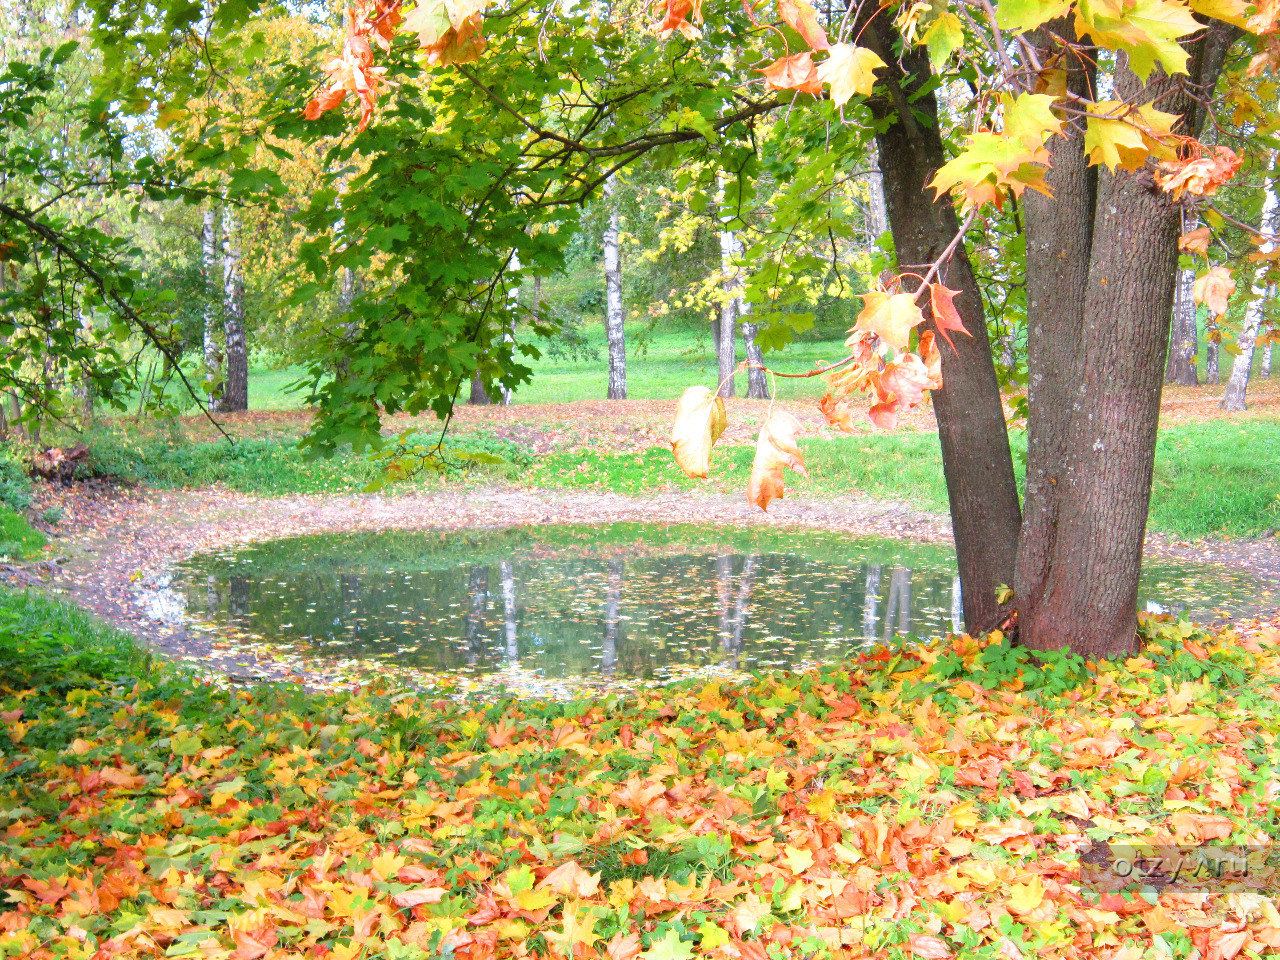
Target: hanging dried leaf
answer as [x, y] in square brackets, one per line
[945, 315]
[795, 72]
[679, 16]
[1201, 176]
[1197, 241]
[700, 419]
[839, 413]
[776, 448]
[1214, 289]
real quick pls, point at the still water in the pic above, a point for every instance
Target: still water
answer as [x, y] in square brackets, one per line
[624, 600]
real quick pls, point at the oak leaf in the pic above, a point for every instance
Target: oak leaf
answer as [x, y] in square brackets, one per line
[849, 70]
[1214, 290]
[700, 419]
[800, 16]
[890, 316]
[795, 72]
[776, 448]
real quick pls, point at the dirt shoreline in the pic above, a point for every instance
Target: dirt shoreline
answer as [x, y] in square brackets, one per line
[122, 544]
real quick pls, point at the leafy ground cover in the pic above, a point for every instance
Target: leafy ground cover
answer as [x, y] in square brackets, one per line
[946, 800]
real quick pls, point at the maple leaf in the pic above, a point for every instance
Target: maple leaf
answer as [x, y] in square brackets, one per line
[1123, 137]
[746, 916]
[839, 413]
[1197, 241]
[800, 16]
[1023, 15]
[929, 947]
[1201, 176]
[1214, 289]
[571, 878]
[776, 448]
[670, 947]
[795, 72]
[1235, 12]
[411, 898]
[700, 419]
[676, 18]
[448, 30]
[1030, 119]
[945, 316]
[890, 316]
[623, 946]
[989, 164]
[1148, 30]
[849, 70]
[577, 927]
[502, 734]
[943, 37]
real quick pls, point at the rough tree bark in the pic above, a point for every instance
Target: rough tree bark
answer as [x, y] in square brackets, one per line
[212, 310]
[1080, 553]
[614, 319]
[1238, 383]
[235, 389]
[981, 487]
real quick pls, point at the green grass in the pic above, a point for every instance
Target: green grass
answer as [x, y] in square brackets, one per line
[672, 361]
[1211, 479]
[18, 539]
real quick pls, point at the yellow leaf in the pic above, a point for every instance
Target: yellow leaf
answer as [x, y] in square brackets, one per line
[776, 448]
[943, 36]
[1148, 30]
[1030, 118]
[890, 317]
[798, 859]
[1235, 12]
[1025, 897]
[849, 70]
[700, 419]
[1124, 138]
[578, 928]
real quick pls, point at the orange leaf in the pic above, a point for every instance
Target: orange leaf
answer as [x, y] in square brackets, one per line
[1201, 176]
[931, 948]
[945, 315]
[776, 448]
[700, 419]
[677, 18]
[570, 878]
[623, 946]
[1197, 241]
[1214, 289]
[411, 898]
[800, 16]
[890, 316]
[839, 413]
[795, 72]
[251, 944]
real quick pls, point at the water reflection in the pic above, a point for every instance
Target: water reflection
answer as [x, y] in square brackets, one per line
[618, 602]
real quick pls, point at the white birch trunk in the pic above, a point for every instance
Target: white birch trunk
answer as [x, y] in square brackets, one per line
[509, 334]
[235, 391]
[726, 351]
[614, 324]
[1233, 396]
[212, 312]
[509, 613]
[879, 214]
[1265, 372]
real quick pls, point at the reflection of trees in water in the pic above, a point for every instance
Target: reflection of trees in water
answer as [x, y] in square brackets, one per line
[349, 600]
[871, 601]
[510, 628]
[612, 604]
[957, 606]
[238, 597]
[478, 602]
[899, 599]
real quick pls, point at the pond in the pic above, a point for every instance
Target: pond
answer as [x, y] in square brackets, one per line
[625, 601]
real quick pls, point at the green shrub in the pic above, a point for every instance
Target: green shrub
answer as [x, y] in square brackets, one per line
[17, 538]
[15, 485]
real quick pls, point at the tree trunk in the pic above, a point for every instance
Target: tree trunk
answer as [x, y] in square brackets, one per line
[981, 487]
[614, 320]
[1265, 372]
[212, 312]
[757, 379]
[1211, 372]
[478, 395]
[1184, 346]
[235, 391]
[1081, 550]
[509, 332]
[726, 350]
[879, 220]
[1233, 396]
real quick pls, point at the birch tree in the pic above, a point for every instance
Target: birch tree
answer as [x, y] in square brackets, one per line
[614, 318]
[1263, 292]
[212, 310]
[235, 388]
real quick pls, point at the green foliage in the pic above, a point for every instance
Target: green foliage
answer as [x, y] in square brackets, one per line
[1051, 673]
[17, 538]
[15, 485]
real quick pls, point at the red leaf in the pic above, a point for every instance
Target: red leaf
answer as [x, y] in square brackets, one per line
[945, 315]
